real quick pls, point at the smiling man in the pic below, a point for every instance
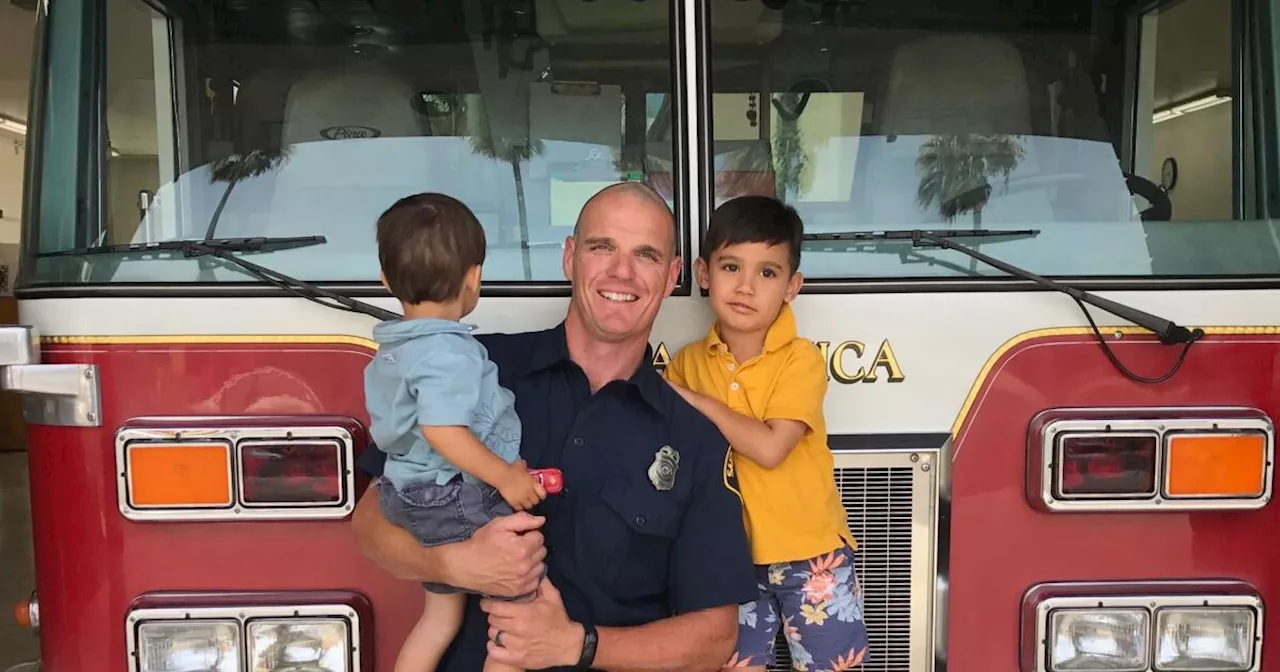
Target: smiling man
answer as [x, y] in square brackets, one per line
[645, 553]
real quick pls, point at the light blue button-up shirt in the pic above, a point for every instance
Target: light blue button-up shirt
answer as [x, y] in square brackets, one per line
[434, 372]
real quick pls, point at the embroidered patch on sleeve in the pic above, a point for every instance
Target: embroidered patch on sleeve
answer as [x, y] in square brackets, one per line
[731, 474]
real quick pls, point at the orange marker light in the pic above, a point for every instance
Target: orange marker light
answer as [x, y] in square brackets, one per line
[1216, 465]
[172, 475]
[22, 613]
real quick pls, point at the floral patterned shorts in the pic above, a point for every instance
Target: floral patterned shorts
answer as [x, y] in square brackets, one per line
[820, 604]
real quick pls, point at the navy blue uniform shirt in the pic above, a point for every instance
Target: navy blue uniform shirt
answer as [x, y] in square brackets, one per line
[620, 551]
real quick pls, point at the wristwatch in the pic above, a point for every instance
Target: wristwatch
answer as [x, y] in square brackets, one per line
[589, 638]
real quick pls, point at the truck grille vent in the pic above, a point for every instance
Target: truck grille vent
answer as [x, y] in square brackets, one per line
[879, 500]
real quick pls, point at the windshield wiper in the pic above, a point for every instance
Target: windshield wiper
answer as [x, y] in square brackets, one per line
[258, 244]
[1167, 331]
[224, 248]
[909, 235]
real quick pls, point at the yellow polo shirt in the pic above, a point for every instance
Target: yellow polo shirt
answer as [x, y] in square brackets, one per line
[792, 512]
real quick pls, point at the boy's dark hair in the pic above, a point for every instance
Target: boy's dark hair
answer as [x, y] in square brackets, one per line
[755, 219]
[426, 244]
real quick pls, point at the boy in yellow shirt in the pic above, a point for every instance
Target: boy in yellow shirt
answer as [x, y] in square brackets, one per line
[763, 387]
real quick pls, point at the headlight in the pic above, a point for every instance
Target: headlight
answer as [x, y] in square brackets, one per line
[296, 645]
[189, 646]
[1204, 639]
[281, 637]
[1142, 632]
[1112, 640]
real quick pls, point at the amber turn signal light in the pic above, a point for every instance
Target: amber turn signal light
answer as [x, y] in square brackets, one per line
[164, 474]
[1216, 465]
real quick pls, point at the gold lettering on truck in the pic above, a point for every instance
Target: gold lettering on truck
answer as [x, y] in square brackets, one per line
[846, 362]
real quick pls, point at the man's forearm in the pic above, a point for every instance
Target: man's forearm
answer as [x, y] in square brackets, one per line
[699, 640]
[392, 547]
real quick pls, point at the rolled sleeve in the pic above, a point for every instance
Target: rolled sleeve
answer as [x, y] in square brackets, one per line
[446, 387]
[801, 388]
[711, 562]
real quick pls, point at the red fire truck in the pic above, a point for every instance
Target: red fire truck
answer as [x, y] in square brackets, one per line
[1041, 263]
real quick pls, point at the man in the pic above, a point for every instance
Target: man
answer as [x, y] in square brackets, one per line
[645, 552]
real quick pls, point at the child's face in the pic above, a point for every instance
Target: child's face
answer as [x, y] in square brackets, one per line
[748, 283]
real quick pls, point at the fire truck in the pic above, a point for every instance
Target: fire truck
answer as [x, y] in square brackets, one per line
[1041, 263]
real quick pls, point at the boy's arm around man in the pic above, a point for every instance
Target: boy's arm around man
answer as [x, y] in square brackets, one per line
[793, 409]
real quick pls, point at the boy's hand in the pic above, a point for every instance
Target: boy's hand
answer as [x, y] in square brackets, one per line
[521, 490]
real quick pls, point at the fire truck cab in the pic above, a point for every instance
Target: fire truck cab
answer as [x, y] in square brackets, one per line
[1041, 262]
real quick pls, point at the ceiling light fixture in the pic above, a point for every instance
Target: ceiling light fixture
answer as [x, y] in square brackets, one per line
[1193, 105]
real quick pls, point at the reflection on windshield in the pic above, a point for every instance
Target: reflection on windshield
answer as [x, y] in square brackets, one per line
[286, 117]
[338, 188]
[889, 117]
[1067, 188]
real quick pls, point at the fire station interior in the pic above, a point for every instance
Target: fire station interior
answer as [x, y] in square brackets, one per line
[795, 84]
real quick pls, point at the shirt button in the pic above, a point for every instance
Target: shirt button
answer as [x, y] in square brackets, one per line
[734, 386]
[731, 366]
[640, 521]
[577, 441]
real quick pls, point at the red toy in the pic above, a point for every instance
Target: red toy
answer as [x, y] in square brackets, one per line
[551, 479]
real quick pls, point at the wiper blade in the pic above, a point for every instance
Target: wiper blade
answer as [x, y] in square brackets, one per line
[258, 244]
[909, 235]
[1168, 332]
[225, 249]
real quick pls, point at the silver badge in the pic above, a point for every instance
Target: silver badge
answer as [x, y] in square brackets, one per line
[662, 473]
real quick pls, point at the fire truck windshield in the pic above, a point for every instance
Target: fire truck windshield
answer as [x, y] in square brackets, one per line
[1117, 132]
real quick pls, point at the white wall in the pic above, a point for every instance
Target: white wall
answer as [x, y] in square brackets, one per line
[12, 157]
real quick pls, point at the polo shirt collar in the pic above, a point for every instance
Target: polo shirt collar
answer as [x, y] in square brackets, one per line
[552, 349]
[781, 332]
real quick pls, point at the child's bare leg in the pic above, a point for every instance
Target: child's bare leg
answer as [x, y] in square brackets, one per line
[441, 618]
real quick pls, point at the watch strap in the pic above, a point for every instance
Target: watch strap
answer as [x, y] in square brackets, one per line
[589, 639]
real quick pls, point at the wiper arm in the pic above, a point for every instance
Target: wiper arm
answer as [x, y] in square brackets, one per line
[223, 248]
[1168, 332]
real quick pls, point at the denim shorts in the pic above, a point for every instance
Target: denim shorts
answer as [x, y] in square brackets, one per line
[442, 514]
[818, 605]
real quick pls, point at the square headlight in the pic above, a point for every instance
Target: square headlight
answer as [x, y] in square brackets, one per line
[189, 646]
[1205, 638]
[299, 645]
[1098, 640]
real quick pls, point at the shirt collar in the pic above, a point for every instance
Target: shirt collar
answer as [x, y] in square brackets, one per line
[781, 332]
[552, 349]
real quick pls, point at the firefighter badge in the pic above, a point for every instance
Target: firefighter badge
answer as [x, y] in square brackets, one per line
[662, 473]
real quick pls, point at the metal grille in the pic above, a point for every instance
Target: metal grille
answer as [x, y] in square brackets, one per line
[879, 498]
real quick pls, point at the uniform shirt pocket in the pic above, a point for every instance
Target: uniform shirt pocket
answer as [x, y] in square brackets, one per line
[635, 527]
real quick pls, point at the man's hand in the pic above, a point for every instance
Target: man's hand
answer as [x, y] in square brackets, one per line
[536, 634]
[505, 557]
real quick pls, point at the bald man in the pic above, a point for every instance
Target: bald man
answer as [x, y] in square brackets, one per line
[642, 573]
